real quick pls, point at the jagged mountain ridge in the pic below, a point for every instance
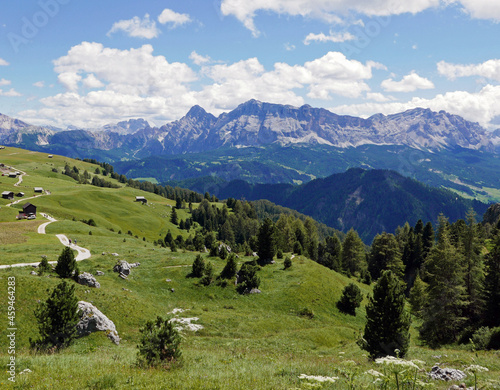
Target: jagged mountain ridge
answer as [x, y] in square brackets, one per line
[256, 123]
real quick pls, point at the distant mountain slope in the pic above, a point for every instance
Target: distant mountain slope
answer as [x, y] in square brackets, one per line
[256, 123]
[370, 201]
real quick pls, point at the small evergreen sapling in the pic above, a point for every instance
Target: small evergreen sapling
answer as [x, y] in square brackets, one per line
[247, 278]
[66, 264]
[287, 263]
[208, 275]
[198, 267]
[57, 318]
[159, 344]
[230, 268]
[350, 300]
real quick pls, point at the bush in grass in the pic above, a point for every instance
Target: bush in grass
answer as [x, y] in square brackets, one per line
[287, 263]
[306, 312]
[481, 338]
[198, 267]
[223, 252]
[57, 318]
[279, 254]
[350, 300]
[159, 344]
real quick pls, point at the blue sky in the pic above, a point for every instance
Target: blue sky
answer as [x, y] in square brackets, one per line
[89, 63]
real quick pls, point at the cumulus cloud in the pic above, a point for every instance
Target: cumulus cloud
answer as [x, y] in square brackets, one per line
[135, 83]
[136, 27]
[481, 9]
[409, 83]
[479, 107]
[4, 82]
[39, 84]
[173, 18]
[378, 97]
[326, 10]
[10, 93]
[489, 69]
[3, 62]
[332, 37]
[198, 59]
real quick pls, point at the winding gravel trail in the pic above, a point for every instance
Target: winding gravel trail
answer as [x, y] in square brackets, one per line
[83, 253]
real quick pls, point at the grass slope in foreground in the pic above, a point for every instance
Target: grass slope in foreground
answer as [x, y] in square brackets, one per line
[248, 342]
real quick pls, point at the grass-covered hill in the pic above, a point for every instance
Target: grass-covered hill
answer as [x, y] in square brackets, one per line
[257, 341]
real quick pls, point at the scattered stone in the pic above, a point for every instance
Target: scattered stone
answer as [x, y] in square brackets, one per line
[122, 276]
[126, 289]
[87, 279]
[462, 386]
[25, 371]
[33, 273]
[35, 265]
[185, 324]
[93, 320]
[446, 374]
[169, 280]
[122, 267]
[254, 254]
[172, 290]
[99, 273]
[104, 253]
[133, 265]
[115, 254]
[253, 291]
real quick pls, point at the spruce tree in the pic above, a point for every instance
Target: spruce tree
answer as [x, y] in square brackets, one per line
[387, 323]
[287, 263]
[443, 311]
[208, 275]
[385, 254]
[417, 296]
[427, 239]
[266, 241]
[159, 343]
[57, 317]
[247, 278]
[173, 217]
[230, 268]
[198, 267]
[66, 264]
[492, 286]
[353, 254]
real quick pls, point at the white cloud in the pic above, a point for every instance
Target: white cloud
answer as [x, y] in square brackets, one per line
[198, 59]
[378, 97]
[481, 9]
[289, 47]
[10, 93]
[409, 83]
[326, 10]
[69, 80]
[173, 18]
[136, 27]
[3, 62]
[92, 82]
[489, 69]
[4, 82]
[39, 84]
[479, 107]
[332, 37]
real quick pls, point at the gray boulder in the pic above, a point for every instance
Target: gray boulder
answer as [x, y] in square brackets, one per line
[446, 374]
[93, 320]
[122, 267]
[87, 279]
[99, 273]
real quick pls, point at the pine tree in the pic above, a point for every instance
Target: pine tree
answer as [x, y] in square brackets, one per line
[198, 267]
[173, 217]
[57, 317]
[353, 254]
[44, 266]
[66, 264]
[387, 323]
[208, 275]
[247, 278]
[159, 343]
[417, 296]
[266, 242]
[427, 239]
[287, 263]
[492, 286]
[385, 254]
[443, 311]
[230, 269]
[350, 299]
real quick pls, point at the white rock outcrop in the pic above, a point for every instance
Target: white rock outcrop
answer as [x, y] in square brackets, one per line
[93, 320]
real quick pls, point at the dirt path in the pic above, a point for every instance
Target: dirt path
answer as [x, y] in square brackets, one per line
[83, 253]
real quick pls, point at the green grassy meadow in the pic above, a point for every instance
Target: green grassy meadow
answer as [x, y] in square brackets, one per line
[258, 341]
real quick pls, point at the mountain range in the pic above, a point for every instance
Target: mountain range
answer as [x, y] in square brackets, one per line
[256, 123]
